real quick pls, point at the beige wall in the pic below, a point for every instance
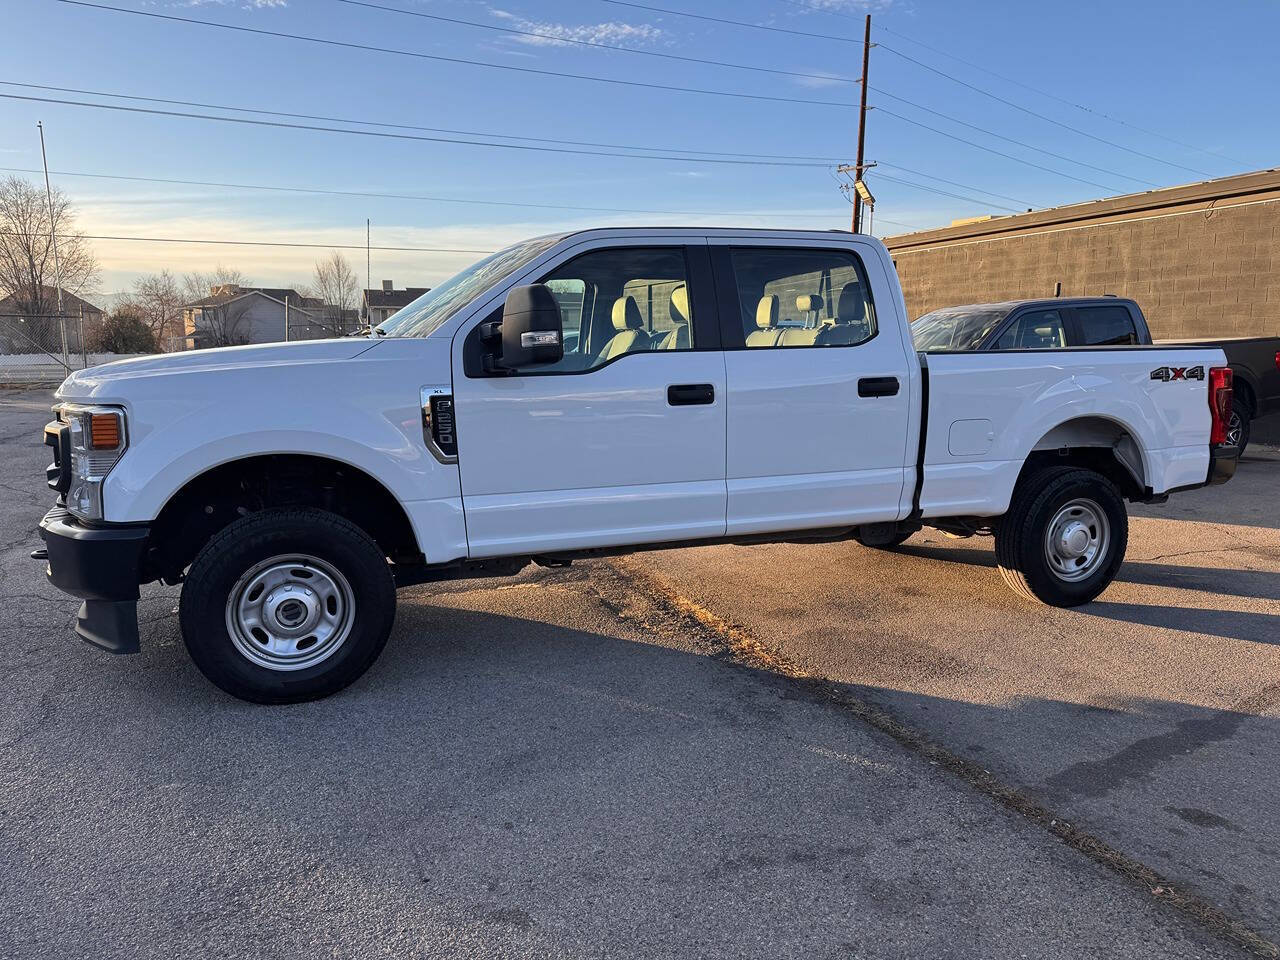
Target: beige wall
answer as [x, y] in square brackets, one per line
[1204, 272]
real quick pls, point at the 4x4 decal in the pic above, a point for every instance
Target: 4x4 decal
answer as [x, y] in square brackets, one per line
[1177, 373]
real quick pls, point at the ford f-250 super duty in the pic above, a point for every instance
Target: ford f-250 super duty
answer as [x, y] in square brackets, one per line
[587, 394]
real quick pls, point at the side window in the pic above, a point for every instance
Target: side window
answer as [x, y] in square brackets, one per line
[793, 297]
[1106, 326]
[1034, 330]
[619, 301]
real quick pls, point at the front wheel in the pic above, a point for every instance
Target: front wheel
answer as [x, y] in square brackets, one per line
[284, 606]
[1064, 537]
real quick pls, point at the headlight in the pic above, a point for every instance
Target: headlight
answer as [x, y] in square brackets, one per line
[98, 441]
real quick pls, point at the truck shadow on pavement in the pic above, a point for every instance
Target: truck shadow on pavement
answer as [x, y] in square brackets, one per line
[1256, 584]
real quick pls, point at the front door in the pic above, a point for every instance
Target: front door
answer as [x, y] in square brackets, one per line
[623, 441]
[819, 396]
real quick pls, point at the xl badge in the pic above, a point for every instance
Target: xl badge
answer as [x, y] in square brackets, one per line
[1177, 373]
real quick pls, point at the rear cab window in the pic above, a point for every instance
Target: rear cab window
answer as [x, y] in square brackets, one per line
[1105, 326]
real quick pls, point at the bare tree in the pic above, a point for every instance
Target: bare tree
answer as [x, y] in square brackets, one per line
[157, 298]
[217, 322]
[222, 324]
[26, 253]
[198, 286]
[336, 285]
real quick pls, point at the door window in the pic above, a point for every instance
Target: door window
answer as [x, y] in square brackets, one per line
[620, 301]
[1034, 330]
[802, 298]
[1106, 326]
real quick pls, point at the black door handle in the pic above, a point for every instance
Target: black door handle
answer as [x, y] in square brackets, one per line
[878, 387]
[689, 394]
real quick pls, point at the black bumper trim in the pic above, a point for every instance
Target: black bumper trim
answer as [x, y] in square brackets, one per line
[1222, 464]
[100, 565]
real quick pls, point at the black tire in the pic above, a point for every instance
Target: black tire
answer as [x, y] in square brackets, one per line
[1021, 535]
[897, 539]
[1240, 410]
[221, 564]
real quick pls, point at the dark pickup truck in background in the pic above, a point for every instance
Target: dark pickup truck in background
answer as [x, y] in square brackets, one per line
[1101, 322]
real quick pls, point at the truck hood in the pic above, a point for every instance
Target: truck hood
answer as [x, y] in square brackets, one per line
[108, 377]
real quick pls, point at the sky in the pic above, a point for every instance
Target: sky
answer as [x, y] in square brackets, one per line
[1103, 98]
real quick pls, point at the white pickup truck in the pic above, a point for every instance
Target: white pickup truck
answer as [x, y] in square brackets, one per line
[587, 394]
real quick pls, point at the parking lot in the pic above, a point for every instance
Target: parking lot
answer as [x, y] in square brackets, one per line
[810, 750]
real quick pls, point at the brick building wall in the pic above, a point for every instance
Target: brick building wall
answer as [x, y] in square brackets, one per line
[1202, 260]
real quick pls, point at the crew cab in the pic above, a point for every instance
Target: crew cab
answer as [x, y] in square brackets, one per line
[588, 394]
[1103, 321]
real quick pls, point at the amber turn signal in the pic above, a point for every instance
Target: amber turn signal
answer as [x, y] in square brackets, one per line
[104, 431]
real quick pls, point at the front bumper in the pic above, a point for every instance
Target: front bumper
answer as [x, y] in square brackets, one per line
[100, 565]
[1222, 464]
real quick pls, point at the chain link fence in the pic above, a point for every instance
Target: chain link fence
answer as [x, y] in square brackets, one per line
[45, 348]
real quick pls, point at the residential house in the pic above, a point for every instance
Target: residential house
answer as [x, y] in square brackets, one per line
[23, 332]
[233, 314]
[380, 304]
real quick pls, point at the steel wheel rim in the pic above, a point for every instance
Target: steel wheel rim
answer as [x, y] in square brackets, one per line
[1234, 428]
[290, 612]
[1078, 540]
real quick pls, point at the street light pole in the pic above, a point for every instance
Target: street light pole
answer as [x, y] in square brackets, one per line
[53, 235]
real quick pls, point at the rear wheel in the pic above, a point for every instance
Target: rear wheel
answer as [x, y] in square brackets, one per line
[287, 605]
[1238, 425]
[1064, 536]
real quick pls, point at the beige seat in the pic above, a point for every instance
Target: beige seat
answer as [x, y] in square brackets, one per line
[766, 332]
[810, 304]
[677, 338]
[628, 326]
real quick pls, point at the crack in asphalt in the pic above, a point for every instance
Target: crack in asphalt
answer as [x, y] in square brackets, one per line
[738, 647]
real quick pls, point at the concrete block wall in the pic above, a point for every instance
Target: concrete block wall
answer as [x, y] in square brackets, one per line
[1197, 273]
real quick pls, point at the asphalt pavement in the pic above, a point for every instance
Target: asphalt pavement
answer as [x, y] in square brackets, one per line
[791, 751]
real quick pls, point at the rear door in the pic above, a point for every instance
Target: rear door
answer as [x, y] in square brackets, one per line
[621, 442]
[819, 393]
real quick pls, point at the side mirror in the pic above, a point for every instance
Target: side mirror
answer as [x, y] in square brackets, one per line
[531, 333]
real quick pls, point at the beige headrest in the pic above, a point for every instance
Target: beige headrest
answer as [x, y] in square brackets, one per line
[680, 304]
[767, 311]
[809, 301]
[626, 314]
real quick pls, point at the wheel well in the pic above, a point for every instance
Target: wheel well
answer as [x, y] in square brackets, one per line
[216, 498]
[1097, 444]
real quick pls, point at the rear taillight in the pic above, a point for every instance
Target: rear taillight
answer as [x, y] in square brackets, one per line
[1220, 381]
[1278, 359]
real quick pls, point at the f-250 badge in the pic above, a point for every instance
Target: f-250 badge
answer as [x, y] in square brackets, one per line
[1177, 373]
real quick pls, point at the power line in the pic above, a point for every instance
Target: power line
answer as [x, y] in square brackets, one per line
[1026, 86]
[262, 243]
[459, 60]
[921, 186]
[1041, 116]
[396, 136]
[407, 126]
[1063, 100]
[955, 183]
[998, 153]
[597, 44]
[388, 196]
[1019, 143]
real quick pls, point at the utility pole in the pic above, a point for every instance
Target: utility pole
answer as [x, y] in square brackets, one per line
[368, 255]
[53, 235]
[862, 124]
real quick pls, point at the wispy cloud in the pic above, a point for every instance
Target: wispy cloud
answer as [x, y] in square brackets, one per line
[242, 4]
[846, 6]
[562, 34]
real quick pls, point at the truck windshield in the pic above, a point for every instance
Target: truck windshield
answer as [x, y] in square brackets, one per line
[429, 311]
[956, 328]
